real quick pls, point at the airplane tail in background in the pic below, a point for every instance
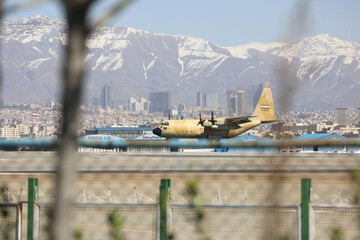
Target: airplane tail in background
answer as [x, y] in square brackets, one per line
[264, 110]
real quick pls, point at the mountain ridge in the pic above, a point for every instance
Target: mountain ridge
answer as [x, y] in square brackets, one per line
[326, 67]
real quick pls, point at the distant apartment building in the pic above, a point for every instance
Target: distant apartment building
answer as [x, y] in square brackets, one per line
[181, 109]
[105, 96]
[55, 105]
[15, 131]
[235, 102]
[297, 128]
[160, 101]
[348, 131]
[141, 105]
[257, 90]
[341, 116]
[208, 100]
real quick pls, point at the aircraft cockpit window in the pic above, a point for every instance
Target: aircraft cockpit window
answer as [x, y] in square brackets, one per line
[165, 124]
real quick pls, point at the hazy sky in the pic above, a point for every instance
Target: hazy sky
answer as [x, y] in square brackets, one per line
[228, 22]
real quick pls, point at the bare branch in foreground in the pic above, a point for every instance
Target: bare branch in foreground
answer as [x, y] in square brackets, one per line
[73, 77]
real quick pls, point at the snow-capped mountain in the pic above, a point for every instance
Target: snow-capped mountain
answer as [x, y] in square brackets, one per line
[325, 70]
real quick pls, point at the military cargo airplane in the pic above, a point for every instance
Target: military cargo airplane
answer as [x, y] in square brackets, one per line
[264, 112]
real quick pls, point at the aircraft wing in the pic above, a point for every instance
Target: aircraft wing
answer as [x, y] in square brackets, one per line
[237, 120]
[229, 123]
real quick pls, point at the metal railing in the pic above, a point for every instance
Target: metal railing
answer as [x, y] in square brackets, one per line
[164, 217]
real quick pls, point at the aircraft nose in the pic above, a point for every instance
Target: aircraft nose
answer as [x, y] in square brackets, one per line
[157, 131]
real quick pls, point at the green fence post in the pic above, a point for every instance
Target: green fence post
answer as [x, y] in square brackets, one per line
[164, 196]
[33, 191]
[305, 208]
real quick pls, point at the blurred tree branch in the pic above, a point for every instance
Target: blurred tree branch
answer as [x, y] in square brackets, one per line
[79, 29]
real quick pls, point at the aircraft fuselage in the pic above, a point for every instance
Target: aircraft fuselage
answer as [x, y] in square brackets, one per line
[192, 129]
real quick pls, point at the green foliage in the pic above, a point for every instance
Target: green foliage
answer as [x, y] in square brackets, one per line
[3, 190]
[192, 193]
[192, 190]
[78, 234]
[116, 224]
[337, 234]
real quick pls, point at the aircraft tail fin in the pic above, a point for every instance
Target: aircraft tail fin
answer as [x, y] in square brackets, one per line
[264, 110]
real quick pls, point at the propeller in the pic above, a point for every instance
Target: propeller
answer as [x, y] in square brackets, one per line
[201, 122]
[213, 121]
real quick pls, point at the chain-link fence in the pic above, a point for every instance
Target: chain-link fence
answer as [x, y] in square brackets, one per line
[92, 221]
[329, 219]
[236, 222]
[232, 206]
[10, 221]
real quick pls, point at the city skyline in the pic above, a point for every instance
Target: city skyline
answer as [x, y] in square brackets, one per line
[37, 121]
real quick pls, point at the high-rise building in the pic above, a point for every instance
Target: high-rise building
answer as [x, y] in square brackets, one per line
[160, 101]
[131, 102]
[105, 96]
[199, 99]
[146, 106]
[211, 100]
[235, 102]
[240, 102]
[1, 101]
[257, 90]
[138, 106]
[207, 99]
[341, 116]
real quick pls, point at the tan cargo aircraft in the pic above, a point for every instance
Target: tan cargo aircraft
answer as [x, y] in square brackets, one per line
[220, 127]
